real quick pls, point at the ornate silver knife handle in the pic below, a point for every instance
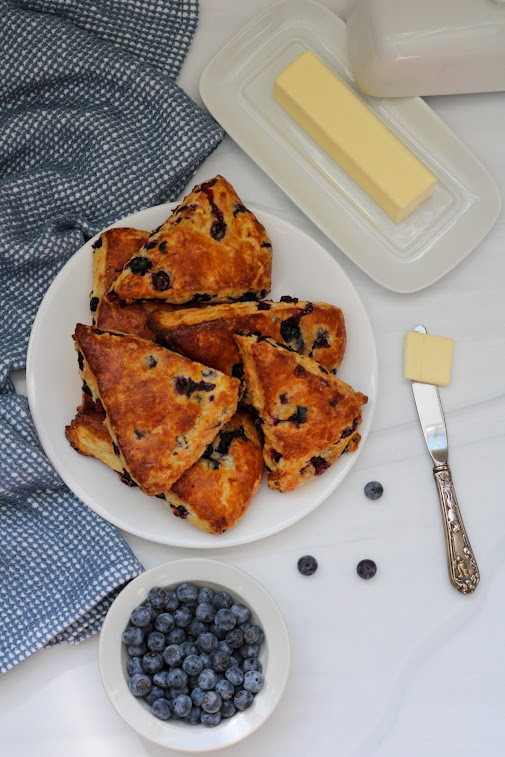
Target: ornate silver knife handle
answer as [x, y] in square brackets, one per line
[463, 569]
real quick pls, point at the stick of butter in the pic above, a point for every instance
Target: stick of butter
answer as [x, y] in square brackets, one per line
[353, 136]
[428, 358]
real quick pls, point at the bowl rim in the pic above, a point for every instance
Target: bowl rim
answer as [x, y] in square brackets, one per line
[275, 655]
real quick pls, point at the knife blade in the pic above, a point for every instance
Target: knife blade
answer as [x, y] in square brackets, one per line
[463, 570]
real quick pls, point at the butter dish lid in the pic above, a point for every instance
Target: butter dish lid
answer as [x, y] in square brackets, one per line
[433, 47]
[237, 88]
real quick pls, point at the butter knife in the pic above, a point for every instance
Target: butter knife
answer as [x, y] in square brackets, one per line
[463, 570]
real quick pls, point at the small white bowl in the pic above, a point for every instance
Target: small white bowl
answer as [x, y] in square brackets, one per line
[274, 655]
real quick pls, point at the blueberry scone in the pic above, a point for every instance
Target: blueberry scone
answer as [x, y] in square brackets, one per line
[211, 249]
[214, 493]
[111, 251]
[309, 416]
[314, 329]
[161, 409]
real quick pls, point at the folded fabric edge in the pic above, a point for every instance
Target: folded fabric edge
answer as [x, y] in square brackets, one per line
[56, 634]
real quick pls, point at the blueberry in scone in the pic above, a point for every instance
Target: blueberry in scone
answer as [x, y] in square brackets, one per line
[160, 409]
[215, 492]
[309, 416]
[211, 249]
[315, 329]
[111, 251]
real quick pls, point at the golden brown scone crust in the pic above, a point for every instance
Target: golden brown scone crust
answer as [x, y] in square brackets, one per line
[206, 334]
[111, 251]
[162, 409]
[130, 319]
[215, 492]
[211, 249]
[309, 416]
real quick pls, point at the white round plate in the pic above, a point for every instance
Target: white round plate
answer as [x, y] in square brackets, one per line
[274, 655]
[301, 268]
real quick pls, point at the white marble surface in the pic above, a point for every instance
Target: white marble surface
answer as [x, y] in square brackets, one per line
[400, 665]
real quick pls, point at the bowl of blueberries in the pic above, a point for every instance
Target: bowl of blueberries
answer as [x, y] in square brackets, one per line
[194, 654]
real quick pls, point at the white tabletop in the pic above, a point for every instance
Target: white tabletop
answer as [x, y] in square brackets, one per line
[398, 666]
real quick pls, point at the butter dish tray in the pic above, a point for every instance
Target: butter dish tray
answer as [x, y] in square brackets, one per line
[237, 86]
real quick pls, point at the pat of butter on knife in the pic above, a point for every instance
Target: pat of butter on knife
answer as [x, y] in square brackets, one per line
[353, 136]
[428, 358]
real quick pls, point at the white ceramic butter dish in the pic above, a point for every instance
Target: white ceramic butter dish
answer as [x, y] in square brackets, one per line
[427, 47]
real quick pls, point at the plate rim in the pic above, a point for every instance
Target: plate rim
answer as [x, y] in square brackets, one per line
[188, 543]
[134, 592]
[401, 277]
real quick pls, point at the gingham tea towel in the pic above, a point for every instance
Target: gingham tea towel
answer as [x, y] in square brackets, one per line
[92, 127]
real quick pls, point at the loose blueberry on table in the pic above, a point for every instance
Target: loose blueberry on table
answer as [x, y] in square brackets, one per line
[307, 565]
[374, 490]
[366, 569]
[194, 654]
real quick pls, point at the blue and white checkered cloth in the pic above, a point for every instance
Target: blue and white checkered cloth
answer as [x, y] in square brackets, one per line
[92, 127]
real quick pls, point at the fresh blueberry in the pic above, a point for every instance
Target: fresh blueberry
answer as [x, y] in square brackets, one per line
[222, 600]
[207, 679]
[183, 617]
[194, 716]
[210, 719]
[155, 693]
[228, 709]
[223, 646]
[161, 679]
[171, 602]
[162, 709]
[205, 612]
[253, 681]
[235, 638]
[241, 612]
[139, 685]
[133, 636]
[211, 702]
[307, 565]
[156, 641]
[189, 648]
[234, 661]
[192, 665]
[218, 632]
[205, 595]
[204, 657]
[196, 627]
[176, 636]
[207, 642]
[225, 689]
[225, 619]
[173, 655]
[249, 650]
[187, 592]
[196, 695]
[182, 705]
[140, 616]
[254, 635]
[164, 622]
[152, 662]
[374, 490]
[244, 626]
[219, 661]
[134, 666]
[235, 675]
[252, 663]
[243, 699]
[137, 651]
[177, 678]
[157, 597]
[366, 569]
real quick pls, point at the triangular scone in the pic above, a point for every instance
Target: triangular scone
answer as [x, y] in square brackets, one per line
[211, 249]
[215, 492]
[111, 251]
[309, 416]
[314, 329]
[161, 409]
